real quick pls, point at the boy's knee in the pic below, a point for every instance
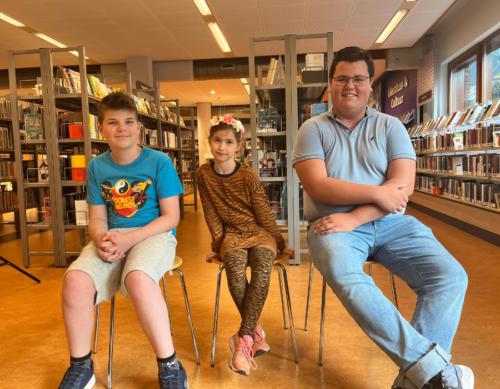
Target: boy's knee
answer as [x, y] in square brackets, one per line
[136, 279]
[77, 284]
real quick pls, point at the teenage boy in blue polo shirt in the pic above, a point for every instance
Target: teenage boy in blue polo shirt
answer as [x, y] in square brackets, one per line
[133, 193]
[357, 167]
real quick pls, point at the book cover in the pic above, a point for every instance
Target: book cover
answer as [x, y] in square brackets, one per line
[76, 131]
[43, 170]
[496, 138]
[46, 209]
[81, 213]
[79, 168]
[33, 126]
[75, 79]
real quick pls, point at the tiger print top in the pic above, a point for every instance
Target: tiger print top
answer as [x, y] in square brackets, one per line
[236, 210]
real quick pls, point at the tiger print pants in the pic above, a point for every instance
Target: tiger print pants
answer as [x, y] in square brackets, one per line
[249, 297]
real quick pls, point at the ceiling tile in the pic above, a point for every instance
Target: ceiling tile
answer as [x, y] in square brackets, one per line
[329, 10]
[325, 25]
[373, 22]
[227, 17]
[286, 28]
[380, 7]
[234, 4]
[274, 14]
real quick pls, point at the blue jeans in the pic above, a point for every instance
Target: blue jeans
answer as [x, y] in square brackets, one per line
[403, 245]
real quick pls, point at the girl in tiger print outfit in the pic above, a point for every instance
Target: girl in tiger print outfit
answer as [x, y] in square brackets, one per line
[244, 233]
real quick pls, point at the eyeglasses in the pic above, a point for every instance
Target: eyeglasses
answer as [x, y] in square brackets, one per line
[356, 80]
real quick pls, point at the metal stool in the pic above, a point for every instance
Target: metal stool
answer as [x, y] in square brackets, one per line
[278, 262]
[175, 266]
[370, 262]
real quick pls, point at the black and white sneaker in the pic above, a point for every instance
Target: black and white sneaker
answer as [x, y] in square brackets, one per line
[173, 378]
[78, 377]
[452, 377]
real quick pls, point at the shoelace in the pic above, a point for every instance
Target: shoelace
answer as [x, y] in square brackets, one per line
[169, 380]
[256, 337]
[70, 378]
[247, 351]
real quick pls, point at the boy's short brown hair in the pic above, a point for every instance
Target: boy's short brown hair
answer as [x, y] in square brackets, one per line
[116, 101]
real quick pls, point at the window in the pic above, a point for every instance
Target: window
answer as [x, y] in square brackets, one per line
[464, 84]
[492, 69]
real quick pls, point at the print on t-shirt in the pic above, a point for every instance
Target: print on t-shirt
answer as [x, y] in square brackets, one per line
[126, 199]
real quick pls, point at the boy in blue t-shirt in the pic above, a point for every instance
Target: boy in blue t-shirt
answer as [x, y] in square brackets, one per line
[134, 209]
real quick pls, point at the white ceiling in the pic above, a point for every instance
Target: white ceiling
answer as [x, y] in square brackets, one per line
[169, 30]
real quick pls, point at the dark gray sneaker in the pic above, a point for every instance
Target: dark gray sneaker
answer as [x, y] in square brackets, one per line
[77, 377]
[452, 377]
[173, 378]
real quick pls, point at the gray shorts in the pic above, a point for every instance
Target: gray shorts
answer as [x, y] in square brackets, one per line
[153, 256]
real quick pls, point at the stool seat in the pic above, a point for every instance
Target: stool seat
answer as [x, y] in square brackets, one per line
[177, 263]
[279, 258]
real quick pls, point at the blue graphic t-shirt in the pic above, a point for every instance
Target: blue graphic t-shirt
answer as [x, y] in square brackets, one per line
[132, 192]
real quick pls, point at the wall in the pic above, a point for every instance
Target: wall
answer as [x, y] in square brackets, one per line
[409, 92]
[472, 22]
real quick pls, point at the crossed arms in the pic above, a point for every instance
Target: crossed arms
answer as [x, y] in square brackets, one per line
[374, 201]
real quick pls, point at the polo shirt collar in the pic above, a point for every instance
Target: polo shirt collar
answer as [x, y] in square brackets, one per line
[369, 112]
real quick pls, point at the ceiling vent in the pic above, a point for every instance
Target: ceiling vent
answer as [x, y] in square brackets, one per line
[227, 66]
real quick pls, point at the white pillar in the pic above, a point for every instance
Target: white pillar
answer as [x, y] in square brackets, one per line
[204, 114]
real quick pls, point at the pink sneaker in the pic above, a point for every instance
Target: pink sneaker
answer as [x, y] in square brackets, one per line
[242, 358]
[260, 345]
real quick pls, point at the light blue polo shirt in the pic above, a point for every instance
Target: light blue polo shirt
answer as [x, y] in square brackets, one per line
[360, 156]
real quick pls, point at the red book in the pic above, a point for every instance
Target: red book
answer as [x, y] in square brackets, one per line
[76, 131]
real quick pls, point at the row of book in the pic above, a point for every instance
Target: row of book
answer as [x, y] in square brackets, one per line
[7, 171]
[9, 200]
[187, 164]
[276, 72]
[406, 117]
[170, 139]
[148, 107]
[148, 136]
[6, 140]
[68, 81]
[480, 165]
[487, 136]
[477, 114]
[486, 195]
[6, 111]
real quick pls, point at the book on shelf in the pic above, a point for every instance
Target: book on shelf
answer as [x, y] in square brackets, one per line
[43, 169]
[81, 213]
[76, 131]
[78, 168]
[47, 210]
[7, 171]
[69, 81]
[33, 126]
[315, 61]
[496, 136]
[268, 119]
[6, 140]
[169, 139]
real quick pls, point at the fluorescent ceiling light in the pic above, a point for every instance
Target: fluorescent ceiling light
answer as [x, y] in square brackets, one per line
[55, 43]
[49, 39]
[203, 7]
[243, 81]
[247, 87]
[11, 21]
[213, 92]
[219, 37]
[392, 25]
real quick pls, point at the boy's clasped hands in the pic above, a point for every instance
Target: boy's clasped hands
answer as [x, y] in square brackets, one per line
[113, 246]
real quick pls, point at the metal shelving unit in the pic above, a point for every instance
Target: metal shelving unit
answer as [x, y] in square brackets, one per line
[290, 99]
[50, 100]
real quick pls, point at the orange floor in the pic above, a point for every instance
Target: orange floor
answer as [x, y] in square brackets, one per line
[33, 350]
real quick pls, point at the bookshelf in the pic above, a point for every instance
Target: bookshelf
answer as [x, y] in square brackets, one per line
[78, 107]
[284, 102]
[469, 175]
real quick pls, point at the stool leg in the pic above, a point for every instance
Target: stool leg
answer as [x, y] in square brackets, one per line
[282, 297]
[309, 295]
[394, 295]
[216, 315]
[96, 327]
[370, 270]
[166, 302]
[322, 326]
[111, 339]
[290, 316]
[189, 314]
